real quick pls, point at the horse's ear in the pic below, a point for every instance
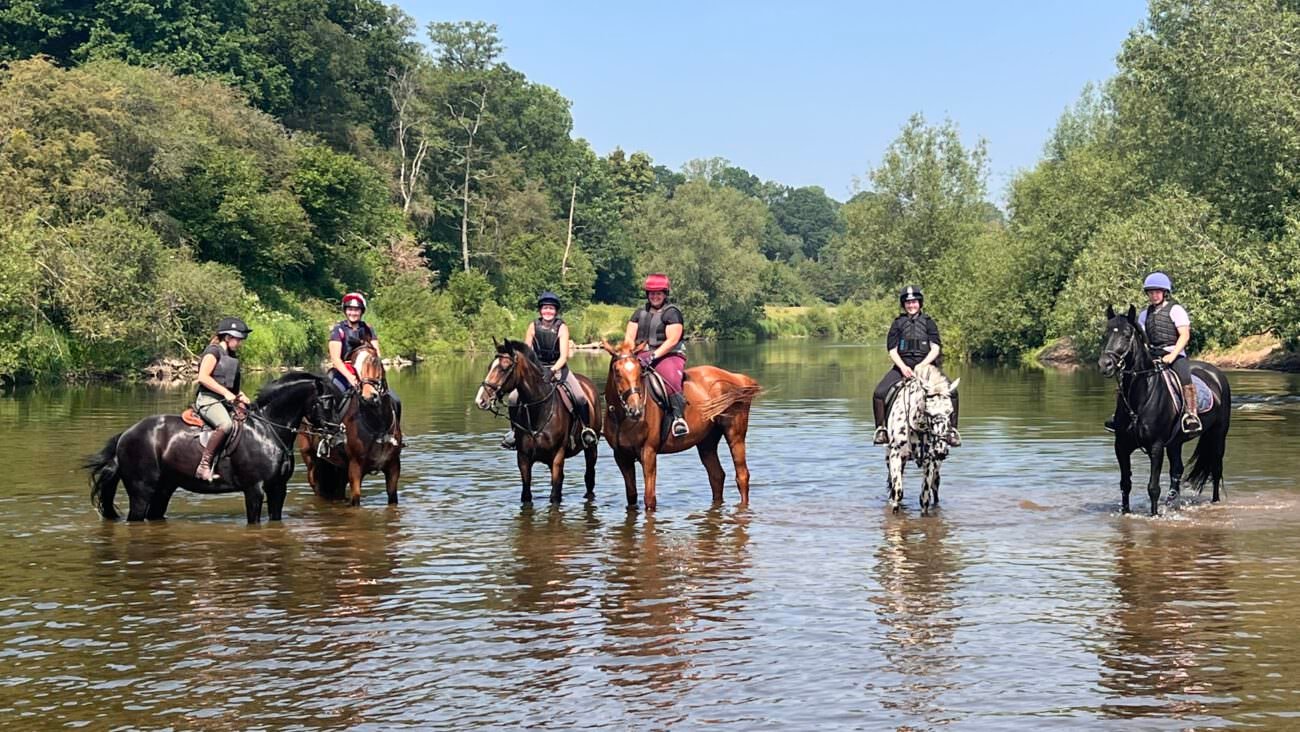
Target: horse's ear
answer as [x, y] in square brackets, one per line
[640, 346]
[1132, 314]
[953, 385]
[496, 345]
[607, 347]
[1110, 311]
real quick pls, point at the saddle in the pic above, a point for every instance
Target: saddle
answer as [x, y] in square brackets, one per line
[203, 431]
[658, 390]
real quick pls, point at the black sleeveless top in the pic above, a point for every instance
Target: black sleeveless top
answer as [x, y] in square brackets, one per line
[546, 340]
[226, 372]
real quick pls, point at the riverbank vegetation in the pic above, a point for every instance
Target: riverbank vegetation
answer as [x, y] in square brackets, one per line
[163, 165]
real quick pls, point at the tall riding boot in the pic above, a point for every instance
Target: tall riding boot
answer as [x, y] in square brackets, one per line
[582, 411]
[954, 437]
[679, 427]
[878, 410]
[204, 471]
[1191, 420]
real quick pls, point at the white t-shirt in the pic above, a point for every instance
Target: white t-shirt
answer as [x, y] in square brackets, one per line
[1176, 313]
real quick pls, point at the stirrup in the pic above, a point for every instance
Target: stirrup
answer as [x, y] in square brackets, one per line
[589, 437]
[211, 470]
[881, 437]
[954, 438]
[1109, 425]
[1191, 424]
[679, 428]
[508, 442]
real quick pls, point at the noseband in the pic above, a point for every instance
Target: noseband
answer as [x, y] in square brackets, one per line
[495, 389]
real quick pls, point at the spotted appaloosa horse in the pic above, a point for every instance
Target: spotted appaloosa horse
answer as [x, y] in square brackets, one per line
[717, 407]
[917, 423]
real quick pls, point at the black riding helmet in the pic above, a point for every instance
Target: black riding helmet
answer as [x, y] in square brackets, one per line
[911, 292]
[549, 297]
[233, 327]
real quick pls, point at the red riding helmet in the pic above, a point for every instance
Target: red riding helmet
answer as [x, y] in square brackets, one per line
[657, 283]
[354, 300]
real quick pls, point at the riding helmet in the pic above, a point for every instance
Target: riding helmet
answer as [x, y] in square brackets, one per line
[354, 300]
[549, 297]
[1158, 281]
[911, 292]
[657, 283]
[233, 327]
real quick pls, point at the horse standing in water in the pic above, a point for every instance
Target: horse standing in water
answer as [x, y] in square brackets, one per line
[917, 424]
[718, 403]
[545, 431]
[1148, 414]
[371, 428]
[158, 455]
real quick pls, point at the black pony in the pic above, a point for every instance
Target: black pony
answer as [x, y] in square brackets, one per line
[158, 455]
[1148, 416]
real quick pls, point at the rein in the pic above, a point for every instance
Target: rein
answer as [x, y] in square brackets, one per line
[499, 398]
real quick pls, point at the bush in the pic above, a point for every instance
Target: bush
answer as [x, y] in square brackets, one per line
[469, 290]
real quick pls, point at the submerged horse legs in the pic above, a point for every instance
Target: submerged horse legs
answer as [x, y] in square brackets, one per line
[1153, 483]
[1124, 456]
[557, 476]
[525, 476]
[392, 471]
[895, 462]
[1175, 473]
[589, 475]
[708, 449]
[627, 466]
[930, 485]
[254, 496]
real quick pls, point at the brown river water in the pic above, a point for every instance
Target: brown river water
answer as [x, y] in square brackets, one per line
[1027, 602]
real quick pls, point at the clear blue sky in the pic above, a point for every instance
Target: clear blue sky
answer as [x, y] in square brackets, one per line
[806, 93]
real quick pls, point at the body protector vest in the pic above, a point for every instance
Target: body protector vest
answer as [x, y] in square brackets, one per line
[353, 338]
[226, 372]
[652, 329]
[1159, 327]
[546, 340]
[914, 341]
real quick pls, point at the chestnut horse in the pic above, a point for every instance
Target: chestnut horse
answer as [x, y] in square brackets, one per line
[717, 407]
[545, 432]
[372, 436]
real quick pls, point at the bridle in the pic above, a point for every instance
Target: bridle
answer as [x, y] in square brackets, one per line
[635, 389]
[497, 393]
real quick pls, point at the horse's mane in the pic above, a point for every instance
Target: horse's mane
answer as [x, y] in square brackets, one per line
[275, 389]
[931, 377]
[511, 347]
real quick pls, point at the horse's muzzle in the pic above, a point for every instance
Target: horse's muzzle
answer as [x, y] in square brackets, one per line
[1107, 366]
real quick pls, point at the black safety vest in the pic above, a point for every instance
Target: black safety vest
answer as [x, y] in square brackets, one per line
[354, 338]
[226, 372]
[1159, 327]
[914, 340]
[546, 340]
[651, 329]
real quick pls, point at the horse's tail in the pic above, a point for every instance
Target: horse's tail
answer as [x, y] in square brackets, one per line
[743, 390]
[1207, 459]
[103, 478]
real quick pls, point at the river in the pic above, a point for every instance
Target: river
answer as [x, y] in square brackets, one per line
[1027, 602]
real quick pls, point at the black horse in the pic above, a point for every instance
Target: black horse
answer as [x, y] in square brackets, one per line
[1148, 416]
[158, 455]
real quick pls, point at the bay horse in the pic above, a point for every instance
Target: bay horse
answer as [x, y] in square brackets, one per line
[370, 424]
[159, 454]
[917, 425]
[545, 431]
[717, 407]
[1148, 416]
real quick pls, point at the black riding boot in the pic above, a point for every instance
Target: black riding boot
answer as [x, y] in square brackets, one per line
[582, 411]
[679, 427]
[204, 471]
[878, 410]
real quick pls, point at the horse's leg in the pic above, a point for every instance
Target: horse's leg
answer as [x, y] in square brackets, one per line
[1153, 483]
[929, 484]
[158, 504]
[735, 435]
[253, 499]
[557, 475]
[1124, 456]
[627, 466]
[525, 476]
[589, 475]
[1175, 473]
[276, 492]
[895, 462]
[649, 473]
[355, 475]
[392, 472]
[140, 493]
[708, 449]
[312, 479]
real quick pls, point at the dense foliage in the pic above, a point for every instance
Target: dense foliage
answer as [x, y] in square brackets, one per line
[162, 164]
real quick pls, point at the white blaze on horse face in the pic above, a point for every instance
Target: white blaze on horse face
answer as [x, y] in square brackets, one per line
[481, 397]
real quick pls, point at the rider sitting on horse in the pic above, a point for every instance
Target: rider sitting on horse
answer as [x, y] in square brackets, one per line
[913, 341]
[1168, 328]
[660, 326]
[347, 336]
[218, 387]
[548, 336]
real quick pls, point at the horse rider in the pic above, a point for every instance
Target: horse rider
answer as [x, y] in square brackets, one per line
[218, 388]
[660, 326]
[913, 341]
[347, 336]
[548, 336]
[1168, 329]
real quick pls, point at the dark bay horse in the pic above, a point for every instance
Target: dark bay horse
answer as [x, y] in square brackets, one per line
[717, 407]
[545, 432]
[158, 455]
[370, 423]
[1147, 415]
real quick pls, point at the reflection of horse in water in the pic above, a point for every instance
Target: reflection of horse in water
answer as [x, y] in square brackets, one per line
[666, 585]
[1175, 604]
[552, 550]
[917, 572]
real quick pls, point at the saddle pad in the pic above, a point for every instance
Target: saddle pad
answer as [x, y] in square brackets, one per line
[1204, 397]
